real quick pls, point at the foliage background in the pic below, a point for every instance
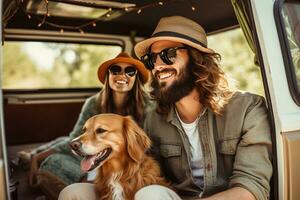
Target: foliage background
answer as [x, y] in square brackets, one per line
[237, 60]
[22, 71]
[72, 66]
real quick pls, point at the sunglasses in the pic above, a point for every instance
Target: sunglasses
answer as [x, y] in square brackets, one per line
[167, 55]
[130, 71]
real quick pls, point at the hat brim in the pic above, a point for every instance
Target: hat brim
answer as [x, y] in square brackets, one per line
[142, 47]
[143, 72]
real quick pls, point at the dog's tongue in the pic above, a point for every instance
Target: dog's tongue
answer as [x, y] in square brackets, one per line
[87, 163]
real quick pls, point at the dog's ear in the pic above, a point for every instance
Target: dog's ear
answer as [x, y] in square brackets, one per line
[137, 140]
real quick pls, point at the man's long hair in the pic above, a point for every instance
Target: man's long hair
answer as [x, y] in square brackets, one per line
[134, 105]
[210, 82]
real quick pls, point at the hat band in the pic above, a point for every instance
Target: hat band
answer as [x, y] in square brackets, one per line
[178, 35]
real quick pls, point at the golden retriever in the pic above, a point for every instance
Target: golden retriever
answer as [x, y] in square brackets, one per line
[116, 145]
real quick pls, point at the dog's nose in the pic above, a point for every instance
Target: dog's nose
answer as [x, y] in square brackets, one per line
[75, 145]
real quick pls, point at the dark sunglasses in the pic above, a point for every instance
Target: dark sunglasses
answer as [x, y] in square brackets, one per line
[130, 71]
[167, 55]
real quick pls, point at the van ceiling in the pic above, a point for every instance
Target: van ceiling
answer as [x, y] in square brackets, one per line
[213, 15]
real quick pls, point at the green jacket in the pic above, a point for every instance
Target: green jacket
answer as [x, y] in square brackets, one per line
[88, 110]
[236, 148]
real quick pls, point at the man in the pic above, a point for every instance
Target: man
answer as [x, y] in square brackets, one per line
[212, 142]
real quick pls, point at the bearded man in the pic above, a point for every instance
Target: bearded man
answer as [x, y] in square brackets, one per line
[211, 141]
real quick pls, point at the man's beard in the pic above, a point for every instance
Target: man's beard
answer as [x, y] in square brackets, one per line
[166, 95]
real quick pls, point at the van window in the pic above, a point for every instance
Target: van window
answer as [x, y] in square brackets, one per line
[237, 60]
[50, 65]
[291, 18]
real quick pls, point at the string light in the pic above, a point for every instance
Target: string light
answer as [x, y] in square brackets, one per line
[138, 10]
[192, 6]
[108, 12]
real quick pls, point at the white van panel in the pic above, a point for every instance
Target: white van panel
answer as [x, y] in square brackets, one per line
[273, 62]
[286, 113]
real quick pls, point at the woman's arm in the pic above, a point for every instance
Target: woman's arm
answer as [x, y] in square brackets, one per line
[88, 110]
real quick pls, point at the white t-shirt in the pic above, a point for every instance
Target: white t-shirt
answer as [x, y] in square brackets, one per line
[192, 132]
[91, 176]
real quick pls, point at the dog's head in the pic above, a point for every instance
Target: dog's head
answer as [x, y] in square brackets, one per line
[108, 137]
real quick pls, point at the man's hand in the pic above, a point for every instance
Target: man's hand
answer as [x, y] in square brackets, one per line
[236, 193]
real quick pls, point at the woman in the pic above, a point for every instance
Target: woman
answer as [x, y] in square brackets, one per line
[123, 78]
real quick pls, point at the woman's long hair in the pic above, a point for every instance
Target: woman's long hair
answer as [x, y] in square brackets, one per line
[134, 106]
[210, 82]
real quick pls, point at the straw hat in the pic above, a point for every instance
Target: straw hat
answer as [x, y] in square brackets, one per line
[123, 58]
[177, 29]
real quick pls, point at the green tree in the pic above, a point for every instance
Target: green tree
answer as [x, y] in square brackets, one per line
[18, 68]
[237, 60]
[74, 65]
[82, 70]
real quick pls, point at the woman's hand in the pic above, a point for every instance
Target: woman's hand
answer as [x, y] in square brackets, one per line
[34, 165]
[36, 160]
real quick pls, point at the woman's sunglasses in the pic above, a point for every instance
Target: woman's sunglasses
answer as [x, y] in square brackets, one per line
[167, 55]
[130, 71]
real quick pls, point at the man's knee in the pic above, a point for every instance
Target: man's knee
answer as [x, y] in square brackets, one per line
[68, 193]
[156, 192]
[78, 191]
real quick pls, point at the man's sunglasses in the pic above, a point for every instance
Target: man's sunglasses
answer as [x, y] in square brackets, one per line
[130, 71]
[167, 55]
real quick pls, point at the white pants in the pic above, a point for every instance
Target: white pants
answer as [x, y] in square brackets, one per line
[86, 191]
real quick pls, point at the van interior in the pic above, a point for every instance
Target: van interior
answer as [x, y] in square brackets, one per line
[36, 111]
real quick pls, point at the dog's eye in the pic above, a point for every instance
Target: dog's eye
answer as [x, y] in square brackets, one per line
[100, 130]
